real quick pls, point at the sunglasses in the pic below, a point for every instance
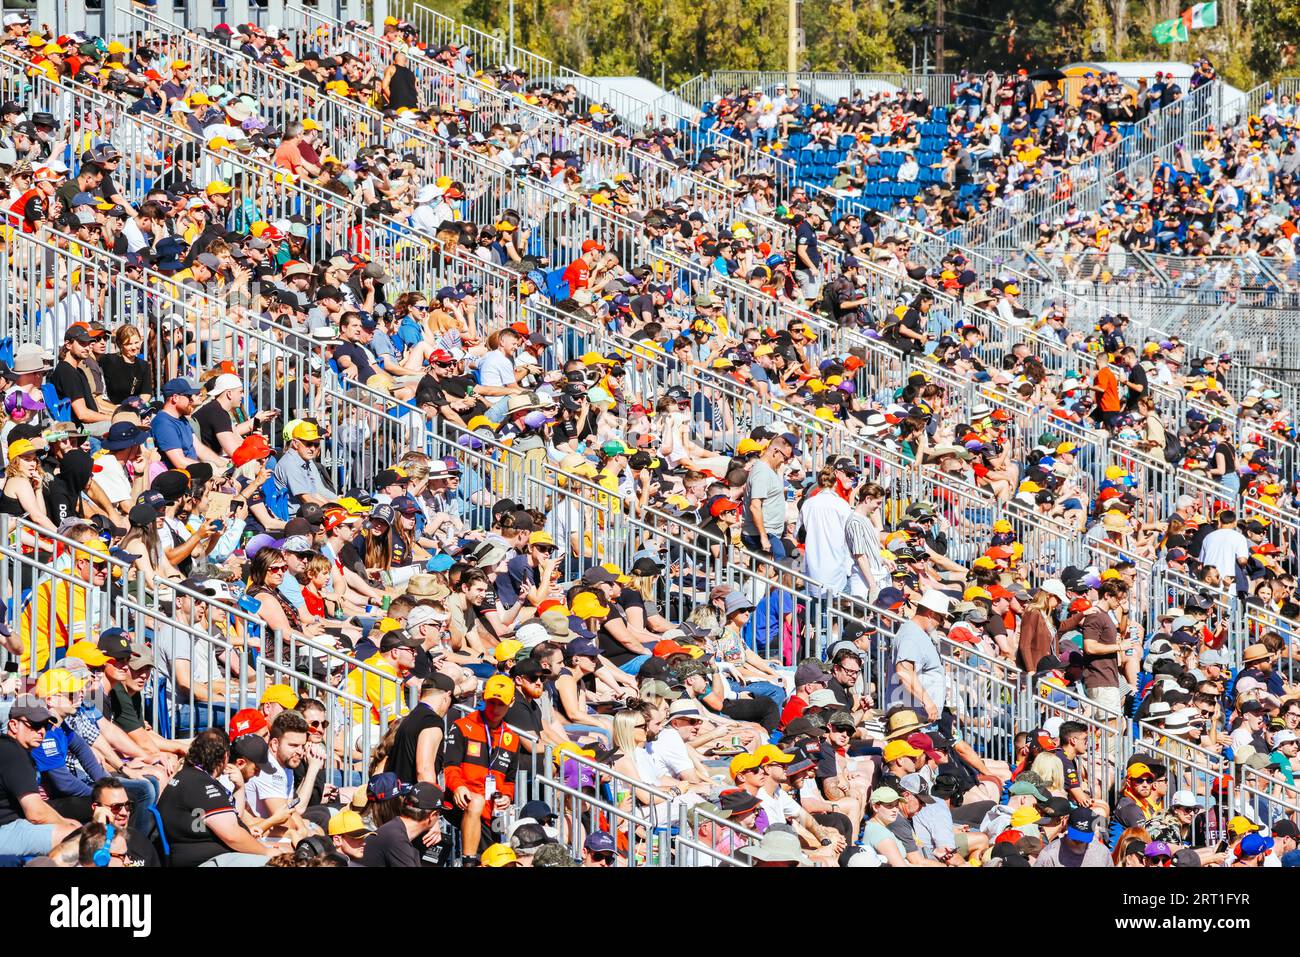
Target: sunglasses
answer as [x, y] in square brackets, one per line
[119, 808]
[278, 568]
[321, 725]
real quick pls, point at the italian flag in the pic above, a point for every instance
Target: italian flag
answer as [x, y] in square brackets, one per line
[1200, 15]
[1170, 31]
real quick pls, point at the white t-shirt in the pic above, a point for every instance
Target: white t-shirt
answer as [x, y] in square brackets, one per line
[268, 784]
[668, 754]
[496, 369]
[781, 808]
[824, 516]
[111, 478]
[1222, 547]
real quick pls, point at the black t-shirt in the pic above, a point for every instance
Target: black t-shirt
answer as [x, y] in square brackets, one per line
[360, 359]
[18, 778]
[317, 788]
[1137, 376]
[429, 391]
[71, 383]
[213, 420]
[125, 377]
[188, 800]
[391, 847]
[140, 850]
[611, 649]
[125, 710]
[351, 558]
[842, 694]
[525, 715]
[631, 598]
[401, 760]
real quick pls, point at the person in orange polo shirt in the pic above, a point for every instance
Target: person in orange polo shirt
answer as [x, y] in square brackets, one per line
[481, 761]
[1105, 387]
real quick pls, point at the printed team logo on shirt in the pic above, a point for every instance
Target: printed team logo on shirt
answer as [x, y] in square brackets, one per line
[505, 739]
[473, 749]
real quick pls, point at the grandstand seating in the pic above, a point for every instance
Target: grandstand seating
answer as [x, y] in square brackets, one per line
[991, 696]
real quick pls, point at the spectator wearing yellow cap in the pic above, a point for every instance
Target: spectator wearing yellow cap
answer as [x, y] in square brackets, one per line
[482, 759]
[22, 494]
[60, 612]
[69, 793]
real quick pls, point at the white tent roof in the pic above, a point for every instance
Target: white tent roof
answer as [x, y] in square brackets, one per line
[644, 90]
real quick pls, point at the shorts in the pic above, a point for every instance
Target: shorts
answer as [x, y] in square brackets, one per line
[810, 284]
[1112, 699]
[22, 838]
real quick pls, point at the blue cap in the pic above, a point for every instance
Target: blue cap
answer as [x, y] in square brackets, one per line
[538, 811]
[84, 199]
[582, 646]
[384, 786]
[849, 262]
[1080, 827]
[155, 500]
[599, 842]
[1253, 844]
[406, 505]
[449, 292]
[178, 387]
[439, 563]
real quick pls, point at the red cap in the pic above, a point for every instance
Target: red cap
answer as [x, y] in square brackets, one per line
[153, 75]
[1108, 493]
[591, 244]
[453, 192]
[520, 327]
[1078, 605]
[1000, 553]
[253, 447]
[247, 721]
[440, 355]
[272, 234]
[853, 364]
[669, 647]
[997, 591]
[1010, 836]
[1002, 415]
[334, 517]
[963, 634]
[722, 506]
[548, 604]
[922, 741]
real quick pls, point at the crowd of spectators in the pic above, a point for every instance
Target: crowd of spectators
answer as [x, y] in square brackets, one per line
[776, 661]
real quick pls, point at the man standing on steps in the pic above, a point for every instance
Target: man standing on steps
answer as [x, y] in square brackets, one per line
[917, 679]
[765, 499]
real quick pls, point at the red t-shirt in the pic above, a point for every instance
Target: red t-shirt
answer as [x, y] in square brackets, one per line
[315, 603]
[577, 275]
[794, 707]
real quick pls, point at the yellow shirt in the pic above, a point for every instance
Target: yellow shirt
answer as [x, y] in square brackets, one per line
[384, 695]
[613, 502]
[68, 615]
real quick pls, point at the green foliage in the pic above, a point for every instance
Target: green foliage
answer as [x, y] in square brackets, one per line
[676, 39]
